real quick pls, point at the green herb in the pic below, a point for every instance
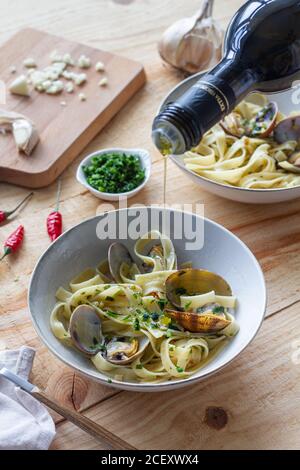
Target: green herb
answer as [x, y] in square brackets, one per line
[179, 369]
[146, 316]
[128, 317]
[109, 381]
[169, 334]
[108, 297]
[161, 303]
[139, 366]
[136, 325]
[218, 309]
[111, 313]
[114, 172]
[187, 305]
[155, 316]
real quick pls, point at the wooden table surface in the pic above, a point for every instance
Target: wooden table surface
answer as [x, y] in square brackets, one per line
[260, 391]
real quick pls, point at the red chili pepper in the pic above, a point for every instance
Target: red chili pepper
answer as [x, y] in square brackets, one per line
[54, 220]
[5, 214]
[13, 242]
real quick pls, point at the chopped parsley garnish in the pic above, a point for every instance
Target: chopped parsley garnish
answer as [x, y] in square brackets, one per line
[187, 305]
[109, 381]
[146, 316]
[128, 317]
[179, 369]
[139, 366]
[108, 297]
[114, 172]
[111, 313]
[136, 324]
[218, 309]
[155, 316]
[162, 303]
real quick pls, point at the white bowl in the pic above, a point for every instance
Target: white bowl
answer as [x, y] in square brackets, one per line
[79, 248]
[145, 163]
[253, 196]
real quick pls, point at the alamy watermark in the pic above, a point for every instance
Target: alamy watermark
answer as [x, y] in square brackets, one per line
[178, 222]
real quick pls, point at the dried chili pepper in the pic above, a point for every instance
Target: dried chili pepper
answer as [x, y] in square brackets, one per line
[54, 220]
[5, 214]
[13, 242]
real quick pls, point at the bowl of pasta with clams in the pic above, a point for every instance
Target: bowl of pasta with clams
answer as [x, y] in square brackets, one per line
[152, 311]
[253, 155]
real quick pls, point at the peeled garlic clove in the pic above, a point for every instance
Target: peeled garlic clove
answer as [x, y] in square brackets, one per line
[25, 135]
[19, 86]
[193, 44]
[24, 131]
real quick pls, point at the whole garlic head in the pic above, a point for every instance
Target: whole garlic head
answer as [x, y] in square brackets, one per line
[193, 44]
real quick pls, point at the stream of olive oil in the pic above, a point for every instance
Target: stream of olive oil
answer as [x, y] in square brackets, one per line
[166, 151]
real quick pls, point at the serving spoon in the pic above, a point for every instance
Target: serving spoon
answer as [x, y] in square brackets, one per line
[84, 423]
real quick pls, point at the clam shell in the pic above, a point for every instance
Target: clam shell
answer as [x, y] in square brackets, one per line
[193, 282]
[197, 323]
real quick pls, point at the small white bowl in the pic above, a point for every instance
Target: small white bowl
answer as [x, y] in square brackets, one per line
[145, 162]
[285, 104]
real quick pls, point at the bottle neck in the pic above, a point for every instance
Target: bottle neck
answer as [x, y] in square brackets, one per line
[181, 125]
[241, 82]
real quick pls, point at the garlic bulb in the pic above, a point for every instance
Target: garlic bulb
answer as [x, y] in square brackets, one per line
[24, 131]
[193, 44]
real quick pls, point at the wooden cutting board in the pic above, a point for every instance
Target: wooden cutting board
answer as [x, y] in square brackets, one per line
[64, 130]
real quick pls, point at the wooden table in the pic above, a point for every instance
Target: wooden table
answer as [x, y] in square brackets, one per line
[260, 391]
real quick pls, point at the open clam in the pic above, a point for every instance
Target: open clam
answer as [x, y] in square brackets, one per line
[123, 350]
[199, 323]
[85, 330]
[86, 334]
[194, 282]
[118, 256]
[260, 126]
[288, 129]
[190, 282]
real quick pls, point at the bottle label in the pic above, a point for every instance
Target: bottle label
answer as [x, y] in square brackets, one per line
[216, 93]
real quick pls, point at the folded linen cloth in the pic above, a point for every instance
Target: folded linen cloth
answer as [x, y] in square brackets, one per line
[25, 424]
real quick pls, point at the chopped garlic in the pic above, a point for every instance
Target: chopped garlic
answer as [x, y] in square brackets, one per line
[13, 69]
[84, 62]
[69, 87]
[56, 87]
[80, 78]
[67, 59]
[20, 86]
[29, 63]
[103, 81]
[99, 67]
[68, 75]
[55, 57]
[82, 97]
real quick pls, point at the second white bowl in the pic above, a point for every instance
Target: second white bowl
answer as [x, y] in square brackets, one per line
[253, 196]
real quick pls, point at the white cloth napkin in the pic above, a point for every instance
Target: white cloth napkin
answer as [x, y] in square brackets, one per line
[24, 423]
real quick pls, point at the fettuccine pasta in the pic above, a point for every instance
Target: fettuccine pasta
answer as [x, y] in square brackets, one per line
[247, 162]
[137, 318]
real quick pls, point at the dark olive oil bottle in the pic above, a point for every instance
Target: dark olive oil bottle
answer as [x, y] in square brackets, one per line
[261, 52]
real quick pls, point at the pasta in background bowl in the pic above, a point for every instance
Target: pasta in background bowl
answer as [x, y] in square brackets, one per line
[78, 248]
[243, 169]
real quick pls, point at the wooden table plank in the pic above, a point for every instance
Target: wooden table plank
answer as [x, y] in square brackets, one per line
[259, 393]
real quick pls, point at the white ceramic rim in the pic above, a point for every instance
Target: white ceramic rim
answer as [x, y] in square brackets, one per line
[148, 386]
[222, 185]
[144, 157]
